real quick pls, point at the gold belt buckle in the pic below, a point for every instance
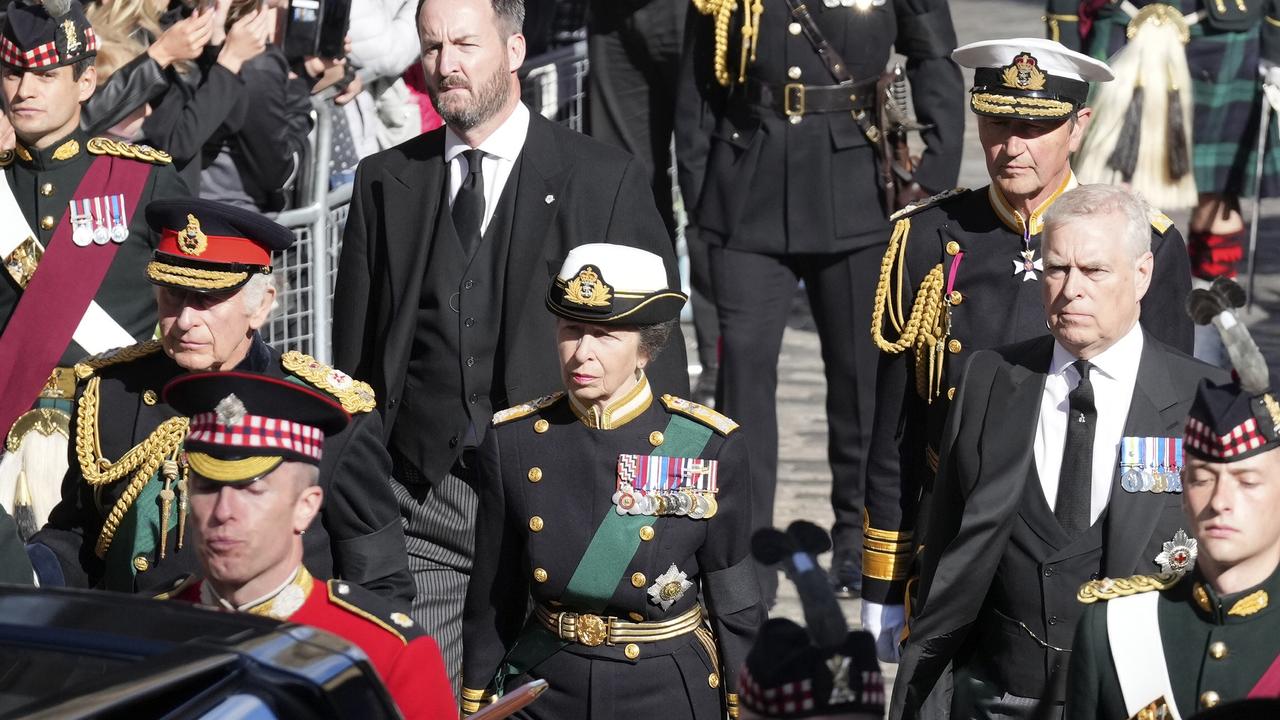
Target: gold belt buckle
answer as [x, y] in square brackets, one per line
[592, 630]
[793, 99]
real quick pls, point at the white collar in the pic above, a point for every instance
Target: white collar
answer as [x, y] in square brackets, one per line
[1117, 362]
[504, 142]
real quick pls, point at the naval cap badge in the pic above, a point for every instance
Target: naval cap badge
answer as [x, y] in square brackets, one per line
[588, 288]
[1023, 73]
[1179, 554]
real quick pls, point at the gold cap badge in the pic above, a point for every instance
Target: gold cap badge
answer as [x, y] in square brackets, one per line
[588, 288]
[69, 29]
[1024, 73]
[191, 240]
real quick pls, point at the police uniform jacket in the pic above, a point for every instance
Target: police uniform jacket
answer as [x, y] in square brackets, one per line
[43, 183]
[993, 571]
[953, 281]
[809, 183]
[105, 531]
[548, 478]
[1204, 647]
[406, 658]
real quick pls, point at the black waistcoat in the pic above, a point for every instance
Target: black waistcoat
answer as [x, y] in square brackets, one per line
[454, 378]
[1036, 584]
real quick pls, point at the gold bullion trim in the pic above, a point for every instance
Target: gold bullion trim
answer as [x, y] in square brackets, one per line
[885, 566]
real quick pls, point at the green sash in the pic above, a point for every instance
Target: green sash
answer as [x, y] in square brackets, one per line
[606, 559]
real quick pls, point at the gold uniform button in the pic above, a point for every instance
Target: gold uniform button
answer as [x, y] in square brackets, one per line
[794, 28]
[540, 575]
[46, 222]
[541, 426]
[638, 580]
[141, 564]
[149, 397]
[713, 680]
[646, 533]
[535, 474]
[954, 346]
[635, 616]
[1218, 650]
[953, 247]
[793, 72]
[951, 393]
[1209, 698]
[955, 297]
[632, 651]
[46, 189]
[535, 523]
[656, 438]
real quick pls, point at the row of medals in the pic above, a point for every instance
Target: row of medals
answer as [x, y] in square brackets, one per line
[684, 502]
[107, 226]
[1164, 478]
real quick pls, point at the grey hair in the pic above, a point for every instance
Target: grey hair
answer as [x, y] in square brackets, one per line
[654, 337]
[254, 292]
[1085, 201]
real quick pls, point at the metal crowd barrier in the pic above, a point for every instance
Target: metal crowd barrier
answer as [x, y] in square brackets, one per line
[554, 84]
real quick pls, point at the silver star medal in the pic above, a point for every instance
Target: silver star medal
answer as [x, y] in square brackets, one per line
[669, 587]
[230, 410]
[1027, 265]
[840, 690]
[1179, 554]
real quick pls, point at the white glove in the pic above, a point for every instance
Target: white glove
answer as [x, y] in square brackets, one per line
[885, 622]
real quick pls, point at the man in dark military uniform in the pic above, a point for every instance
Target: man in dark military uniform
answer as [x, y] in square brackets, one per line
[253, 444]
[794, 190]
[74, 241]
[624, 517]
[963, 273]
[1212, 636]
[121, 524]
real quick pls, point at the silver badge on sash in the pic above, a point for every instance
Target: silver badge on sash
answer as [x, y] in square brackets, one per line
[1178, 554]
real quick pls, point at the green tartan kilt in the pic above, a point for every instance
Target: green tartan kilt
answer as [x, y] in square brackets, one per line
[1228, 101]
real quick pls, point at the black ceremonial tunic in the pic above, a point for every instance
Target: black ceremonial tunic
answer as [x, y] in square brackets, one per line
[547, 480]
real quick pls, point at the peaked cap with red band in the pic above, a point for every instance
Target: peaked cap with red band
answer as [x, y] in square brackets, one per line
[244, 424]
[208, 246]
[44, 36]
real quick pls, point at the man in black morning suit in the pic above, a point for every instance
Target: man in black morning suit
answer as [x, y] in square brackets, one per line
[451, 239]
[1028, 500]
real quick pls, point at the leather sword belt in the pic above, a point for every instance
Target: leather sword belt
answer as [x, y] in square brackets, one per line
[797, 99]
[593, 630]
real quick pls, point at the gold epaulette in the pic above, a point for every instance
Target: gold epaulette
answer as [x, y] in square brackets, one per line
[515, 412]
[1112, 588]
[340, 592]
[90, 365]
[928, 202]
[117, 148]
[356, 396]
[1160, 221]
[6, 158]
[177, 587]
[701, 413]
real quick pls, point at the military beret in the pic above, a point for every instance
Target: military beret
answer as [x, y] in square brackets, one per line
[788, 676]
[609, 284]
[1227, 424]
[208, 246]
[242, 425]
[43, 36]
[1029, 78]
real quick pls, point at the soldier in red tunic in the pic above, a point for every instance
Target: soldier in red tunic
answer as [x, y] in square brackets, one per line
[252, 455]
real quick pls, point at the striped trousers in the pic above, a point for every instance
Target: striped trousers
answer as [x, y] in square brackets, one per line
[439, 530]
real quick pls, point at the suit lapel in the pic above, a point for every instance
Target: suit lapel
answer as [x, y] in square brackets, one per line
[414, 194]
[1153, 412]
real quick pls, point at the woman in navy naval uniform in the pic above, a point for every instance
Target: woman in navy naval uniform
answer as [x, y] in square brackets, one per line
[613, 508]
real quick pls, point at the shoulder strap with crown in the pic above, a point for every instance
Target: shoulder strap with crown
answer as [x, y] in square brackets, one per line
[701, 413]
[515, 412]
[927, 203]
[356, 396]
[373, 609]
[129, 151]
[1160, 221]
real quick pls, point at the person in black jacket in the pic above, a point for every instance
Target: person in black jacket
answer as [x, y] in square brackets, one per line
[792, 192]
[122, 521]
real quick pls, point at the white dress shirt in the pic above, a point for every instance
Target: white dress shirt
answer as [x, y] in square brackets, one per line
[501, 149]
[1113, 376]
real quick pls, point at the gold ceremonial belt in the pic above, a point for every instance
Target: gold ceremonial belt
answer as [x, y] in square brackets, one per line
[592, 630]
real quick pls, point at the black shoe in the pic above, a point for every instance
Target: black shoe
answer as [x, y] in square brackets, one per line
[846, 580]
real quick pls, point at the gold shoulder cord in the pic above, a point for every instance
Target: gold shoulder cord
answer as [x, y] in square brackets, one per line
[925, 329]
[723, 11]
[143, 459]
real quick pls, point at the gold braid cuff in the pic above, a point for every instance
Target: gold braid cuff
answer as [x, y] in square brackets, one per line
[142, 460]
[925, 330]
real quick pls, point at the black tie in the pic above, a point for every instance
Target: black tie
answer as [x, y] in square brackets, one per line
[468, 204]
[1076, 476]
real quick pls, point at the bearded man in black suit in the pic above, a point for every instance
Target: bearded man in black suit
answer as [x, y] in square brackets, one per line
[1042, 483]
[451, 241]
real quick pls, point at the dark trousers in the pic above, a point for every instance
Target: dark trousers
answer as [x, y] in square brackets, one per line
[753, 294]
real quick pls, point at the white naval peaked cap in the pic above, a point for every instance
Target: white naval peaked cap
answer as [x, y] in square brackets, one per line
[612, 284]
[629, 269]
[1054, 58]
